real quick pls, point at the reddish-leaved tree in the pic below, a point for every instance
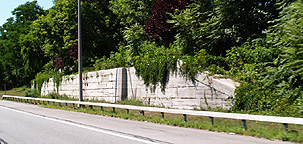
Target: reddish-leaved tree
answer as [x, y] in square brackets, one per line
[157, 27]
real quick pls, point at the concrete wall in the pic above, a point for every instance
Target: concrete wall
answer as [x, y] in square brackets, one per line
[117, 84]
[182, 93]
[99, 85]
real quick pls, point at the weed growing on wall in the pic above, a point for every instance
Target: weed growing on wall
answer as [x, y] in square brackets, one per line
[45, 76]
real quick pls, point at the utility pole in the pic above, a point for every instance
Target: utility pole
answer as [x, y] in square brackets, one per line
[80, 51]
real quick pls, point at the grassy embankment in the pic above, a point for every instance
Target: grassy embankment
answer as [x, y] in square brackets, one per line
[14, 92]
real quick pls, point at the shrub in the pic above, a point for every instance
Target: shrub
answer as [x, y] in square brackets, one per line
[57, 96]
[31, 93]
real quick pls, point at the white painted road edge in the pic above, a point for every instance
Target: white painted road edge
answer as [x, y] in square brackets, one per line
[81, 126]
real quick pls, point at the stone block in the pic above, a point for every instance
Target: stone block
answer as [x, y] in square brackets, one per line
[188, 92]
[186, 103]
[161, 102]
[224, 85]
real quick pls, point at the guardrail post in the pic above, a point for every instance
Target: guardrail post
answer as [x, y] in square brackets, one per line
[127, 111]
[185, 117]
[162, 115]
[101, 107]
[244, 125]
[142, 112]
[91, 107]
[59, 104]
[66, 104]
[73, 106]
[212, 120]
[285, 127]
[114, 110]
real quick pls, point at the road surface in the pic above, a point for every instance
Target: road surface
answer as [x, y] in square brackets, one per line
[30, 124]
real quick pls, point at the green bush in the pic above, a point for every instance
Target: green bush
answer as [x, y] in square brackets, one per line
[31, 93]
[270, 70]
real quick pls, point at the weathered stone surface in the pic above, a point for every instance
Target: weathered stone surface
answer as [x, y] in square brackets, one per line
[117, 84]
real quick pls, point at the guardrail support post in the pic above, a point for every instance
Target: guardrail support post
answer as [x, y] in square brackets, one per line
[212, 120]
[285, 127]
[162, 115]
[244, 125]
[127, 111]
[91, 107]
[114, 110]
[142, 112]
[66, 104]
[73, 106]
[59, 104]
[101, 107]
[185, 117]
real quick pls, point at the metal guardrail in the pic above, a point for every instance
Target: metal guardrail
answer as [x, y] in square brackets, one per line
[244, 117]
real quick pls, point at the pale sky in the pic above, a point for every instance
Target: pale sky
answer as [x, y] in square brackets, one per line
[7, 6]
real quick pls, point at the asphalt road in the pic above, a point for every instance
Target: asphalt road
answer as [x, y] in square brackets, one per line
[30, 124]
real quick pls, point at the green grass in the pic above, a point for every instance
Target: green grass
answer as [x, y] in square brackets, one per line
[254, 128]
[14, 92]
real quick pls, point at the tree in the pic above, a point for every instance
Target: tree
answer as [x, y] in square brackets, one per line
[101, 30]
[216, 26]
[132, 12]
[10, 47]
[59, 28]
[157, 27]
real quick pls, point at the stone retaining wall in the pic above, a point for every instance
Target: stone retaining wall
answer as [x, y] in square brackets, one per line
[120, 83]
